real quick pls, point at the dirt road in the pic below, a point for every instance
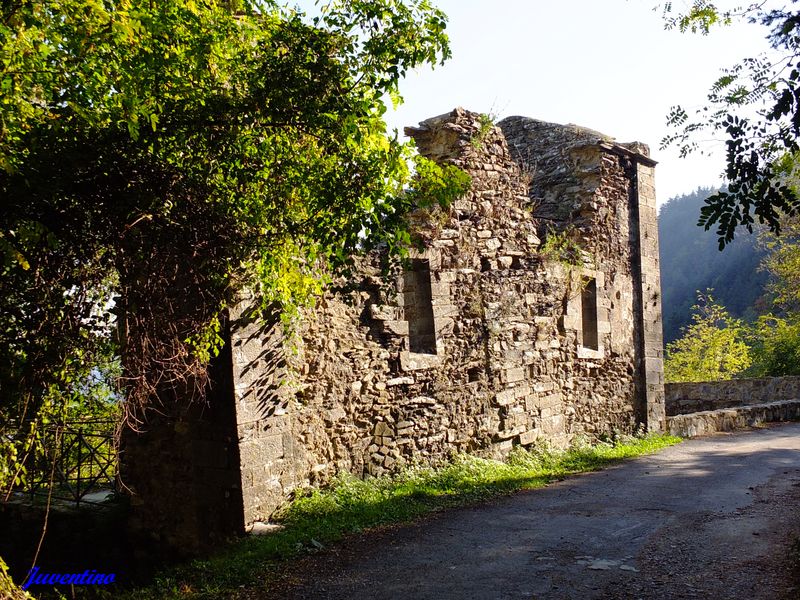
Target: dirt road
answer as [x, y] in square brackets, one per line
[709, 518]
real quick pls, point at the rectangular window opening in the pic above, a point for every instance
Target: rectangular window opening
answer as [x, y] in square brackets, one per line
[418, 307]
[589, 314]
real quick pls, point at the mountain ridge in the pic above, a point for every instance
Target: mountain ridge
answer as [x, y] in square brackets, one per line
[691, 261]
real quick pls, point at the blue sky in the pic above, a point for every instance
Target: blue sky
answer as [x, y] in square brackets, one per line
[608, 65]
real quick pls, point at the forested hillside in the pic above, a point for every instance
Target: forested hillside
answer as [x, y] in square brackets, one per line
[691, 261]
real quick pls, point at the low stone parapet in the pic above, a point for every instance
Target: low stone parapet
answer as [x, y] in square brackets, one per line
[682, 398]
[730, 419]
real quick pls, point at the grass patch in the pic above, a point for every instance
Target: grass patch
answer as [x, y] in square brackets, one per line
[317, 518]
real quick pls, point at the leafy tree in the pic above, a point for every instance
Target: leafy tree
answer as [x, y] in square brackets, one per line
[775, 346]
[756, 105]
[782, 263]
[712, 347]
[158, 157]
[775, 337]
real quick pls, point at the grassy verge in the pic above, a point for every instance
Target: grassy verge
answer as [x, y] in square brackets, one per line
[320, 517]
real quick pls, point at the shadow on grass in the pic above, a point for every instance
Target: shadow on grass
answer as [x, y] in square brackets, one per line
[317, 518]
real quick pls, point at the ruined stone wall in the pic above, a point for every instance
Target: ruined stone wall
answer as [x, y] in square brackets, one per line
[682, 398]
[602, 194]
[487, 338]
[502, 355]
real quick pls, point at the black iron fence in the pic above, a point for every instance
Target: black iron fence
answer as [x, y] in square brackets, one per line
[77, 463]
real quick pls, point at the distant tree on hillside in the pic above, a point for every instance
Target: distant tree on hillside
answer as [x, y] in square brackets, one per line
[775, 345]
[775, 337]
[712, 347]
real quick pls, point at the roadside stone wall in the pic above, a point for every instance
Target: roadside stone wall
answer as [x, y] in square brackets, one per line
[707, 422]
[483, 341]
[683, 398]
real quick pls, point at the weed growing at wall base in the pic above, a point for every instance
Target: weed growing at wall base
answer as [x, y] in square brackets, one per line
[316, 518]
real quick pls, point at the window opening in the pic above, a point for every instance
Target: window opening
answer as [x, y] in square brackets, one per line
[589, 314]
[418, 307]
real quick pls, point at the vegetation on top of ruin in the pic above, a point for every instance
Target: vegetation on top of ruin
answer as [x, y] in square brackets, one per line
[485, 125]
[317, 518]
[560, 246]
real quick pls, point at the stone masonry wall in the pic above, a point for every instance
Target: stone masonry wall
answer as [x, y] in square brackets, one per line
[683, 398]
[580, 181]
[484, 341]
[648, 272]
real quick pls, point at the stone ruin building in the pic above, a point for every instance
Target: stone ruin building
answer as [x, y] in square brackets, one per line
[491, 337]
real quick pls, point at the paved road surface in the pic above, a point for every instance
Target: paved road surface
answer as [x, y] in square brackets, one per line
[709, 518]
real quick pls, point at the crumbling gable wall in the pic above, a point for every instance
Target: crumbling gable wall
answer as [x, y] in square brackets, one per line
[602, 194]
[485, 341]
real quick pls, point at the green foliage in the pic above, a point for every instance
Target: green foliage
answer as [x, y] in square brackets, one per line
[775, 337]
[768, 296]
[320, 517]
[8, 589]
[775, 347]
[158, 157]
[700, 17]
[90, 403]
[485, 125]
[435, 185]
[755, 103]
[782, 262]
[428, 203]
[712, 347]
